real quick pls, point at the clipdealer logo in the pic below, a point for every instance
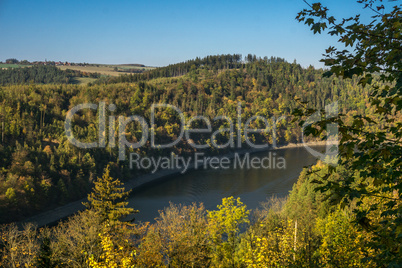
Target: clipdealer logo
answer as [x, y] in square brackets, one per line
[148, 133]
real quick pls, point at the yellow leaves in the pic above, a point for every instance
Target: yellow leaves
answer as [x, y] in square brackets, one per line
[254, 83]
[229, 216]
[112, 255]
[274, 248]
[225, 223]
[10, 194]
[18, 248]
[48, 150]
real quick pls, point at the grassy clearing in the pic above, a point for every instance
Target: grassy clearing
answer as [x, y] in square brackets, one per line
[125, 67]
[104, 69]
[83, 80]
[92, 69]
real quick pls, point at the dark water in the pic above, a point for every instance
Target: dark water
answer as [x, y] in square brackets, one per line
[253, 186]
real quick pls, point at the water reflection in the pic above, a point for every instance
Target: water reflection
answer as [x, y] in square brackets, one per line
[210, 186]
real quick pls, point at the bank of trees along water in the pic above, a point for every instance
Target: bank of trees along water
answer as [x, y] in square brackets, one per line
[40, 167]
[343, 216]
[303, 231]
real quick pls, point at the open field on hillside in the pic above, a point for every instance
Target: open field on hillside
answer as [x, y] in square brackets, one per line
[130, 66]
[104, 69]
[92, 68]
[83, 80]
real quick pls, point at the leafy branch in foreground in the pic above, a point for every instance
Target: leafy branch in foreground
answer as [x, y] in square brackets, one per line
[372, 52]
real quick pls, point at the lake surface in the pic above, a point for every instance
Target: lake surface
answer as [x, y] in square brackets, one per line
[253, 186]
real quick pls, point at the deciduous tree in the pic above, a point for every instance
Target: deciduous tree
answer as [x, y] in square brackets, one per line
[374, 154]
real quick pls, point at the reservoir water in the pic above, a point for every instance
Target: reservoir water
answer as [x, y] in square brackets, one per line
[253, 186]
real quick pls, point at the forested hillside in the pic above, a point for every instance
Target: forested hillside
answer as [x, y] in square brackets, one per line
[40, 74]
[344, 210]
[304, 230]
[40, 166]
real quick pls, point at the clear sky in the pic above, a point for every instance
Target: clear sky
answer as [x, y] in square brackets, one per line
[158, 33]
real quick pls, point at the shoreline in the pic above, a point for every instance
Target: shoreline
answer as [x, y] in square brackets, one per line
[53, 216]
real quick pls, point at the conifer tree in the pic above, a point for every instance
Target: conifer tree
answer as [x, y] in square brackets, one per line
[108, 198]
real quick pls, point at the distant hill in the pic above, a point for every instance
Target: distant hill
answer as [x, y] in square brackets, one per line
[133, 64]
[85, 68]
[63, 74]
[38, 74]
[215, 62]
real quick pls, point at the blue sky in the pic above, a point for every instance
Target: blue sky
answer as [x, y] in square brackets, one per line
[158, 33]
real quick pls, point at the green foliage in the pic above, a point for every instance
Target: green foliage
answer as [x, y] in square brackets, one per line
[189, 236]
[370, 145]
[343, 244]
[39, 74]
[108, 199]
[10, 194]
[45, 170]
[305, 203]
[218, 62]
